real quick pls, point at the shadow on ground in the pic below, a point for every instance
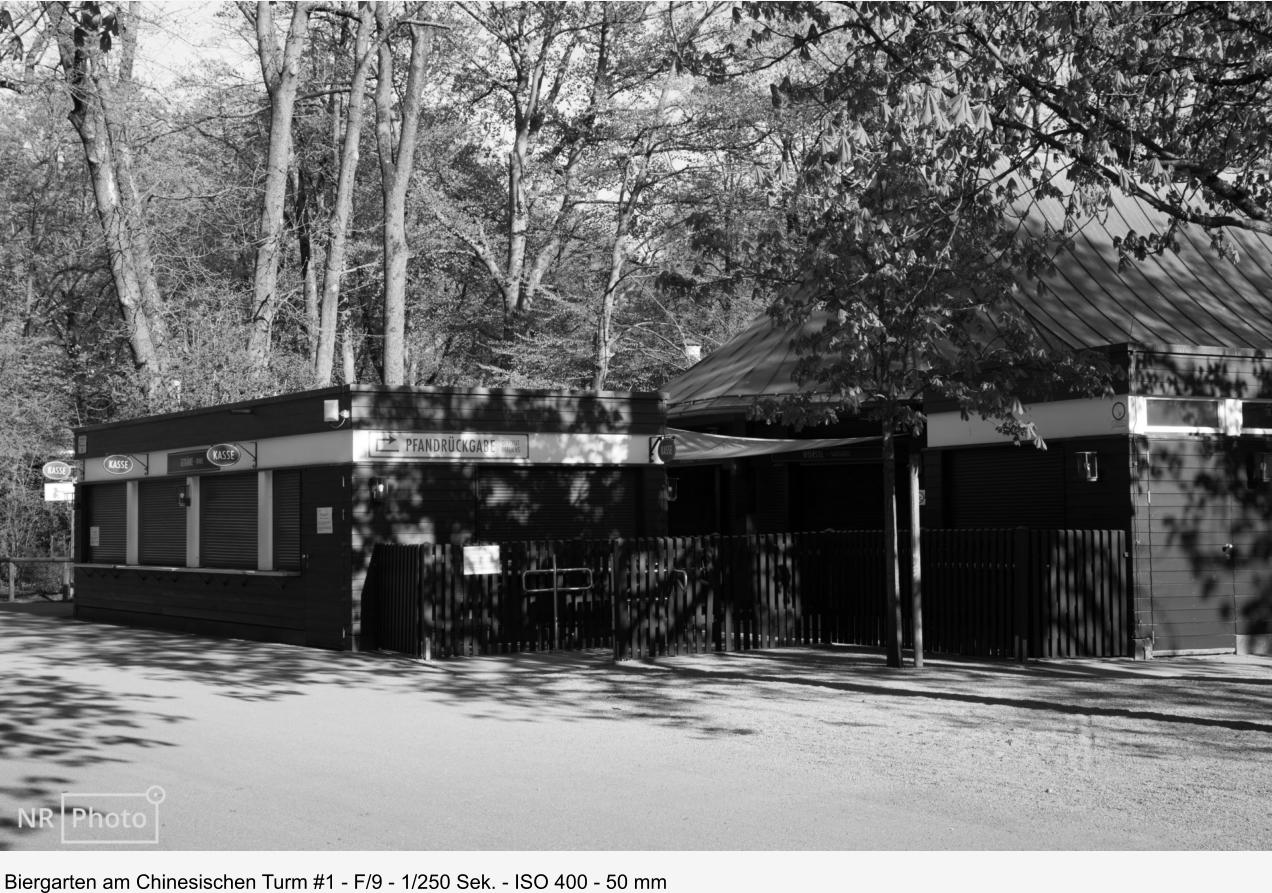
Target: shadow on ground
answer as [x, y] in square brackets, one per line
[1220, 693]
[62, 725]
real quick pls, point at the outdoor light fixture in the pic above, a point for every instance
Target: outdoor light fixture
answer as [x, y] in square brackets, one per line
[1088, 466]
[332, 414]
[379, 489]
[183, 498]
[673, 489]
[1260, 468]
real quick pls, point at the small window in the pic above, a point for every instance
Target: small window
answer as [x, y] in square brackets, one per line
[1183, 414]
[1256, 416]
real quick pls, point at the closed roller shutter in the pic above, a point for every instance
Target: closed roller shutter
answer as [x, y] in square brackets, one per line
[227, 520]
[555, 503]
[106, 519]
[1006, 487]
[163, 522]
[287, 520]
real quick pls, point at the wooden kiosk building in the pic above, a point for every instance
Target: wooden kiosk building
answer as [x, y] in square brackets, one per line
[257, 519]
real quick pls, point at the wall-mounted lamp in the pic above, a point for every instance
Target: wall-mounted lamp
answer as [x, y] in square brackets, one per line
[183, 498]
[379, 490]
[1260, 469]
[333, 415]
[673, 489]
[1088, 466]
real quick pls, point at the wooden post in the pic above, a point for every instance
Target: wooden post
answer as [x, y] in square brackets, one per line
[1021, 597]
[916, 554]
[892, 588]
[13, 580]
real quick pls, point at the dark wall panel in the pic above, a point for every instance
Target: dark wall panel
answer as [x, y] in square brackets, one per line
[287, 520]
[549, 502]
[510, 410]
[331, 615]
[836, 496]
[229, 604]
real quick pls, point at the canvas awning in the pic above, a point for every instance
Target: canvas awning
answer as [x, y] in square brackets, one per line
[694, 446]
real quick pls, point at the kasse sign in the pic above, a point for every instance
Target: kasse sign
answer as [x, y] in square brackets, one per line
[118, 464]
[223, 454]
[57, 470]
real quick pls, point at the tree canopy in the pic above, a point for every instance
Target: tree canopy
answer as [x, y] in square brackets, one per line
[574, 195]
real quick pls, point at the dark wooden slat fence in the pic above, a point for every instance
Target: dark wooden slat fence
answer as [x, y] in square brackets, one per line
[998, 593]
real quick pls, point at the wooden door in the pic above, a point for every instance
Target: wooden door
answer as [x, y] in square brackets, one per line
[1250, 525]
[1191, 482]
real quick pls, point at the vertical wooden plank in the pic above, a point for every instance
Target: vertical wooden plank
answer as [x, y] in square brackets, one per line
[1099, 552]
[1122, 595]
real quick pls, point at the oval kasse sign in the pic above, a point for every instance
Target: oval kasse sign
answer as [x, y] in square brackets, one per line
[223, 454]
[117, 464]
[57, 470]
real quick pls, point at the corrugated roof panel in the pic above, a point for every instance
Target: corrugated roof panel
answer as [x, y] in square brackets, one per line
[1192, 297]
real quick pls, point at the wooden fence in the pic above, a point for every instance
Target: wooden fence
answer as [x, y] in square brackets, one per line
[37, 576]
[1000, 593]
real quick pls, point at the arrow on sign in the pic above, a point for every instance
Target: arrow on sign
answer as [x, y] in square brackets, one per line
[386, 444]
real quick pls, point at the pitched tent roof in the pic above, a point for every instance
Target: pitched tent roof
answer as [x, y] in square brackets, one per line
[1193, 297]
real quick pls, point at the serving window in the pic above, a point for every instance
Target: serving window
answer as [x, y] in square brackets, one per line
[228, 520]
[105, 523]
[162, 521]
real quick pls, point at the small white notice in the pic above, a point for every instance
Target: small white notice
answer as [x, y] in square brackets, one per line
[481, 560]
[59, 491]
[95, 537]
[324, 519]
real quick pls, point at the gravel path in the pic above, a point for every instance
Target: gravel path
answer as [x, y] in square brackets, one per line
[274, 747]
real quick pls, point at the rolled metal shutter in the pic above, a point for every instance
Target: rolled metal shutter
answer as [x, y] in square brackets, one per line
[163, 522]
[287, 520]
[1006, 487]
[227, 520]
[106, 511]
[542, 503]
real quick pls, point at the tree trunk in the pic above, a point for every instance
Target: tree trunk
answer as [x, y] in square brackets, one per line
[281, 71]
[329, 308]
[605, 320]
[395, 257]
[105, 140]
[303, 214]
[892, 619]
[916, 556]
[348, 361]
[397, 160]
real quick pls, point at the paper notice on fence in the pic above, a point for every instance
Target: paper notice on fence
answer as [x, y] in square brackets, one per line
[481, 560]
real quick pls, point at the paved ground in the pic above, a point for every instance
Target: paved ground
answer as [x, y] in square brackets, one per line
[274, 747]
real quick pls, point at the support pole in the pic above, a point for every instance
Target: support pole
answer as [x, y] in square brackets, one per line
[916, 557]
